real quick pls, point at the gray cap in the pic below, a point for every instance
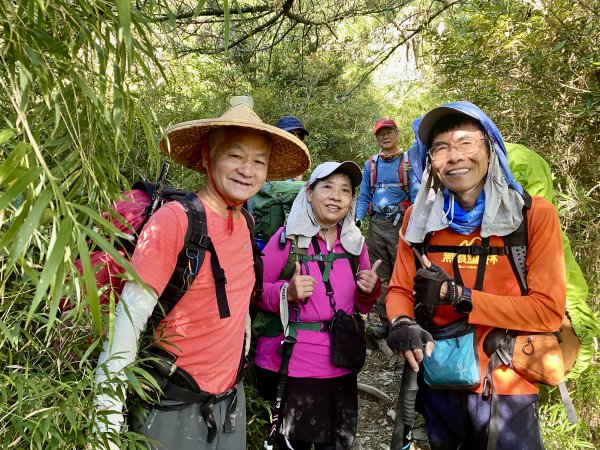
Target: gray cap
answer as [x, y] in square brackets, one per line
[325, 169]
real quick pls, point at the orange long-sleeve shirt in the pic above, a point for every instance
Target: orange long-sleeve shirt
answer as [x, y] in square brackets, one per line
[500, 303]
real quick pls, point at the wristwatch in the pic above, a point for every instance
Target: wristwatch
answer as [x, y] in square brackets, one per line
[464, 304]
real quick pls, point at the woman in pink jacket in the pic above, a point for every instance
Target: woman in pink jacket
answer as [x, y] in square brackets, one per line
[320, 401]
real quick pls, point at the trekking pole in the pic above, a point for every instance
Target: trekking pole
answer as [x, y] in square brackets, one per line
[286, 353]
[405, 407]
[405, 410]
[159, 187]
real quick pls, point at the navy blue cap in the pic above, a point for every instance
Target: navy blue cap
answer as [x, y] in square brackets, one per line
[290, 123]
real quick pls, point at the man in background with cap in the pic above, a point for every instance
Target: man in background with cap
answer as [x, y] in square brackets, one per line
[295, 126]
[384, 196]
[237, 152]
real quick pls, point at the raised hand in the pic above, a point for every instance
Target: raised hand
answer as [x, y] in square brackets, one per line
[301, 286]
[366, 280]
[433, 286]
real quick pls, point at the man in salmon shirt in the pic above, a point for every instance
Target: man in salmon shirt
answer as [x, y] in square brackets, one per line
[237, 152]
[469, 197]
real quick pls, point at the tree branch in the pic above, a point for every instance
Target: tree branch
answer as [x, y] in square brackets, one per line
[447, 5]
[190, 13]
[286, 6]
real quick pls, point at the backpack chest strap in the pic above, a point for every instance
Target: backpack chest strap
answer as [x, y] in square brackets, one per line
[473, 250]
[293, 327]
[325, 261]
[514, 249]
[483, 251]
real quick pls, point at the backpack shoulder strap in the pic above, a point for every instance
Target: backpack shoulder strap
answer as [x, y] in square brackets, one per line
[515, 248]
[256, 256]
[189, 261]
[373, 171]
[403, 169]
[354, 265]
[293, 256]
[516, 244]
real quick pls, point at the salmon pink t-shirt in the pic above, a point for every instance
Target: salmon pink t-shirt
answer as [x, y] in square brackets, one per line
[208, 347]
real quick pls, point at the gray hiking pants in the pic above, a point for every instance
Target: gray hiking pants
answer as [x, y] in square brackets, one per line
[382, 242]
[185, 429]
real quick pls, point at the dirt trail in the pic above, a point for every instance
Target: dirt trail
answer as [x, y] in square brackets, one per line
[375, 415]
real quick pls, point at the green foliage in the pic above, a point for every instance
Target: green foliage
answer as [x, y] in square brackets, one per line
[308, 86]
[67, 116]
[557, 431]
[258, 412]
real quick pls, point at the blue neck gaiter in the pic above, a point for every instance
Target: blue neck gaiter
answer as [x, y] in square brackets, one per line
[461, 221]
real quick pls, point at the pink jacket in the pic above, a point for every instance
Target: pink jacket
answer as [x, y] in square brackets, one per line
[311, 355]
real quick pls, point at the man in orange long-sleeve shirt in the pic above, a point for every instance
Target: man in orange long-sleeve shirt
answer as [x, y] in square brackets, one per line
[469, 197]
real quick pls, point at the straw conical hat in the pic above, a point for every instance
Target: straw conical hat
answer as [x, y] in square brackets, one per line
[183, 142]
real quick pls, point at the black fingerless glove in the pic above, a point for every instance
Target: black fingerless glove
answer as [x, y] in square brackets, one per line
[428, 283]
[408, 336]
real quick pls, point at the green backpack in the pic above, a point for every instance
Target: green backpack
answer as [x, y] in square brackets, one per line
[271, 206]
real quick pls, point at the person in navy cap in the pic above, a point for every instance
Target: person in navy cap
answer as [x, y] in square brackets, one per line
[293, 125]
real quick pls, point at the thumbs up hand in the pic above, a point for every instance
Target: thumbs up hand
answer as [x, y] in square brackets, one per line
[367, 279]
[301, 286]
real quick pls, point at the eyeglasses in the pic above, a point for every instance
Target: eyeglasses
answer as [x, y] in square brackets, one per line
[464, 146]
[299, 134]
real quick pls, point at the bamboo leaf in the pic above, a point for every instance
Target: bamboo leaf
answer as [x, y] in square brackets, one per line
[134, 382]
[7, 134]
[226, 24]
[199, 7]
[6, 332]
[58, 243]
[13, 230]
[25, 179]
[111, 319]
[13, 161]
[91, 290]
[40, 411]
[114, 253]
[99, 220]
[85, 87]
[117, 100]
[124, 12]
[57, 287]
[558, 46]
[32, 221]
[89, 351]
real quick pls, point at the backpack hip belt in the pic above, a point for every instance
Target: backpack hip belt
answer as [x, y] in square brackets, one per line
[207, 401]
